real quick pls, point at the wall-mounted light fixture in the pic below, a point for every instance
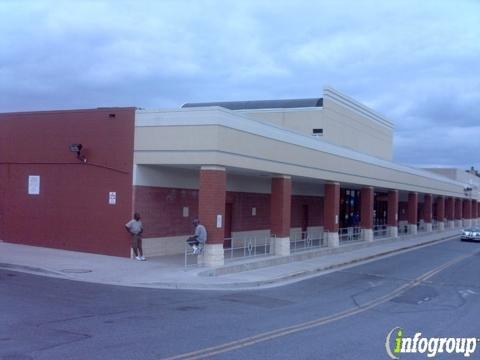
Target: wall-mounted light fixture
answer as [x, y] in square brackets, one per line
[77, 148]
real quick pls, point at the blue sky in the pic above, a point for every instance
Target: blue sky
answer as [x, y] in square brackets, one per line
[416, 62]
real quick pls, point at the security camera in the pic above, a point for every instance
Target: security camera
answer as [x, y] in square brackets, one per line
[77, 148]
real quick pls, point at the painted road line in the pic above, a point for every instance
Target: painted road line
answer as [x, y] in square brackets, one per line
[270, 335]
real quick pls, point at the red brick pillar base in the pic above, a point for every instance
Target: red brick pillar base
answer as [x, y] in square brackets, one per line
[427, 212]
[392, 213]
[211, 213]
[331, 211]
[366, 213]
[412, 212]
[440, 215]
[280, 212]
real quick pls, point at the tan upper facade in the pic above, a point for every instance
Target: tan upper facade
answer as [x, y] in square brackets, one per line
[236, 139]
[342, 121]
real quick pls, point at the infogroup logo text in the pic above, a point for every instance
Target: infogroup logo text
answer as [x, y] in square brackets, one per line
[429, 346]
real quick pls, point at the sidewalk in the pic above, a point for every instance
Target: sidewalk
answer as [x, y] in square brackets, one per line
[170, 273]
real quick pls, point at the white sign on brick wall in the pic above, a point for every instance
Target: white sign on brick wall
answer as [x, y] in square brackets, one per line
[112, 197]
[33, 185]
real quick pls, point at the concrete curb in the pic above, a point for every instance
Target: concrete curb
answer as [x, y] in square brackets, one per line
[299, 275]
[234, 285]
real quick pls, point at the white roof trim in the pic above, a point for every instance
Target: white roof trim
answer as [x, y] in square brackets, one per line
[350, 103]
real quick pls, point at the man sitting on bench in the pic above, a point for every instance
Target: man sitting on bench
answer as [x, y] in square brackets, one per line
[199, 238]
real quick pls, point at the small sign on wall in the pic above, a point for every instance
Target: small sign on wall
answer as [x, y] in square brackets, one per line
[33, 185]
[185, 211]
[219, 221]
[112, 197]
[254, 211]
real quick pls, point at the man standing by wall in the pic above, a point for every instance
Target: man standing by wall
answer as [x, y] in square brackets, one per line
[135, 228]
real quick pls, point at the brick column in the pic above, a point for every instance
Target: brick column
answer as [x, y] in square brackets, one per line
[450, 212]
[211, 212]
[458, 212]
[412, 212]
[467, 212]
[331, 213]
[392, 213]
[440, 216]
[366, 213]
[280, 212]
[427, 212]
[474, 212]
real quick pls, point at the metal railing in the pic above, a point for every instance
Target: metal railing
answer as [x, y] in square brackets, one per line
[306, 240]
[349, 234]
[251, 246]
[380, 231]
[403, 230]
[191, 259]
[421, 227]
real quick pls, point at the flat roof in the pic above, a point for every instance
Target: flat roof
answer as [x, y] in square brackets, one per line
[261, 104]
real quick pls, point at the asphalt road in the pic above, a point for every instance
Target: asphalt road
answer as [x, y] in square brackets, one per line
[342, 315]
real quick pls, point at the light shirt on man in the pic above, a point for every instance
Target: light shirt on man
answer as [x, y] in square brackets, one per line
[201, 233]
[134, 226]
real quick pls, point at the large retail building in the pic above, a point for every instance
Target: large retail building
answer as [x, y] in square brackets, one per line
[280, 174]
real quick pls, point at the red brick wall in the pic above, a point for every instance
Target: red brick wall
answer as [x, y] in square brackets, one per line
[403, 211]
[161, 210]
[242, 218]
[412, 208]
[315, 210]
[458, 209]
[427, 208]
[72, 210]
[467, 209]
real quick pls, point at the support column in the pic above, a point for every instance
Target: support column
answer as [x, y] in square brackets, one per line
[280, 213]
[458, 212]
[412, 212]
[440, 216]
[211, 213]
[331, 213]
[427, 212]
[467, 212]
[366, 213]
[392, 213]
[474, 212]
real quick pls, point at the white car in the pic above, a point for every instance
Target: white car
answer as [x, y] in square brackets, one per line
[471, 234]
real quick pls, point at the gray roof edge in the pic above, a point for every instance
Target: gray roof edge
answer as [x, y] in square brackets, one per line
[262, 104]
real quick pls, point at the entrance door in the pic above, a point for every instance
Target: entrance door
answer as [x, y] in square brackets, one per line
[304, 220]
[227, 243]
